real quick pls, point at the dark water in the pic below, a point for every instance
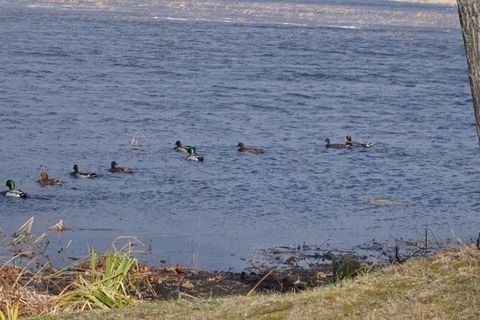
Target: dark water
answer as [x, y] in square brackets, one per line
[77, 83]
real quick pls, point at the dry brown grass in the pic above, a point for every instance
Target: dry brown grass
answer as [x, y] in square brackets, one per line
[14, 290]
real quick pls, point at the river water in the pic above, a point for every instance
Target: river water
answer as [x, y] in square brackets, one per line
[79, 79]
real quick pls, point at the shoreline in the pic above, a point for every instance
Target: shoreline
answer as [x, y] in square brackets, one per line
[40, 289]
[436, 2]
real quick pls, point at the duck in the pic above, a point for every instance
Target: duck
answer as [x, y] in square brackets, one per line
[44, 180]
[193, 156]
[335, 145]
[114, 168]
[12, 192]
[349, 142]
[241, 147]
[181, 148]
[83, 175]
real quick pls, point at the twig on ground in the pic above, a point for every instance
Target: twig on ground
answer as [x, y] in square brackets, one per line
[426, 243]
[259, 282]
[183, 294]
[397, 255]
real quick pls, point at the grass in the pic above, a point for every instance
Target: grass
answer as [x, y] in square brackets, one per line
[104, 287]
[11, 313]
[446, 286]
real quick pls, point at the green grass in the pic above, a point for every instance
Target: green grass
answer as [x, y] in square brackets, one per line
[100, 289]
[446, 286]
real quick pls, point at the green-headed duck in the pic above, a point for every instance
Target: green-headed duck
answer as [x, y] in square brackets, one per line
[12, 192]
[192, 155]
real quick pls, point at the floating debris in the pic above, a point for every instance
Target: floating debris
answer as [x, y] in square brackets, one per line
[136, 139]
[23, 234]
[384, 202]
[95, 229]
[59, 227]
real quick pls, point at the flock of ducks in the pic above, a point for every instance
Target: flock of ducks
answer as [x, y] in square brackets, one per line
[189, 151]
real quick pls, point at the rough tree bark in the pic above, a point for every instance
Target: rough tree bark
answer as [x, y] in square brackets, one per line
[469, 10]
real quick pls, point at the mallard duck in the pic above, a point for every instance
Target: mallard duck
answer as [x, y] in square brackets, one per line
[114, 168]
[11, 192]
[349, 142]
[241, 147]
[44, 180]
[192, 155]
[335, 145]
[180, 148]
[83, 175]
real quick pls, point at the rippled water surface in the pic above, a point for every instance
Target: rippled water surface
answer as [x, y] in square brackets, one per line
[78, 81]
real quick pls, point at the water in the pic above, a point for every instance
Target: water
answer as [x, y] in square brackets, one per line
[78, 81]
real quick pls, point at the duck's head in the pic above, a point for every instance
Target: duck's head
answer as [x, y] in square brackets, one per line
[75, 168]
[113, 164]
[240, 145]
[327, 140]
[10, 184]
[178, 143]
[42, 176]
[348, 138]
[192, 151]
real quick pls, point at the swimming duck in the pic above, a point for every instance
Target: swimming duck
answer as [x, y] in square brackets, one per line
[180, 148]
[114, 168]
[349, 142]
[83, 175]
[241, 147]
[11, 192]
[335, 145]
[44, 180]
[192, 155]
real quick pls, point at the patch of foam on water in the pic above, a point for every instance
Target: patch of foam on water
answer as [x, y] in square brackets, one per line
[346, 27]
[174, 19]
[293, 24]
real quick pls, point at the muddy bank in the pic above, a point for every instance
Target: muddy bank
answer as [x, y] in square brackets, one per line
[273, 270]
[289, 269]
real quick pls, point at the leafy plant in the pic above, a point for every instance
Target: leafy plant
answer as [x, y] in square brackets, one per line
[348, 268]
[12, 313]
[105, 285]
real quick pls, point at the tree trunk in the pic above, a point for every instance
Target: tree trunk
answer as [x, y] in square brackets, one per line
[469, 10]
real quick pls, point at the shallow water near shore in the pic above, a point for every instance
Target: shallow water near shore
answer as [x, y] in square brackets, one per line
[79, 81]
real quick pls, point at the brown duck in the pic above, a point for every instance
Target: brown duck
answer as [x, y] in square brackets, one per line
[44, 180]
[114, 168]
[241, 147]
